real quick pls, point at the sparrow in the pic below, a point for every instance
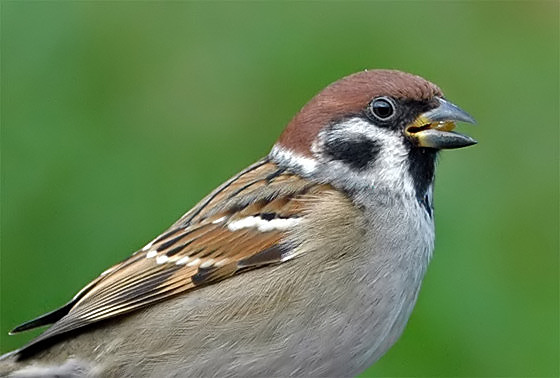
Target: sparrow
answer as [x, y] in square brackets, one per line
[306, 263]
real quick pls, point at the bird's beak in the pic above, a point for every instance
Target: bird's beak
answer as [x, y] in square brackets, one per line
[432, 129]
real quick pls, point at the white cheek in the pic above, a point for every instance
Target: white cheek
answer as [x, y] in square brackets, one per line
[390, 168]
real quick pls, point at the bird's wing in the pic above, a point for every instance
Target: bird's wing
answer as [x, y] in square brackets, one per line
[240, 226]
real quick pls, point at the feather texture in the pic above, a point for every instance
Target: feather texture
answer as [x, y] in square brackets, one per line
[240, 226]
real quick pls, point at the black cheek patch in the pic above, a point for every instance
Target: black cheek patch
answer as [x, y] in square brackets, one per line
[357, 153]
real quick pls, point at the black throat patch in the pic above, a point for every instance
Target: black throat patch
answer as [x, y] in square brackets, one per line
[422, 165]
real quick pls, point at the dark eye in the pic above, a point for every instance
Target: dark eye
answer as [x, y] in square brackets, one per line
[382, 108]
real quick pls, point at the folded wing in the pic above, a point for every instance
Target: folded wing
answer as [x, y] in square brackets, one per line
[241, 225]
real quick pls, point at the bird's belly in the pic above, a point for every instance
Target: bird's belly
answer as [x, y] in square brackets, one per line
[264, 331]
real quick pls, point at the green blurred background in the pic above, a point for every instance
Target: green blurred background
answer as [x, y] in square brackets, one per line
[119, 116]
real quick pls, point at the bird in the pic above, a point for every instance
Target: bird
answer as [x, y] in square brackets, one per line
[306, 263]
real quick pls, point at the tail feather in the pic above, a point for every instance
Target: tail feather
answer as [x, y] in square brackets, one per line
[44, 319]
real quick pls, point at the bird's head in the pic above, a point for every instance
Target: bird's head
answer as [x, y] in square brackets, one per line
[378, 127]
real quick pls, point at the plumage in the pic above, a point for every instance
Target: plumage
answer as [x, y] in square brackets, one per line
[350, 96]
[307, 262]
[213, 250]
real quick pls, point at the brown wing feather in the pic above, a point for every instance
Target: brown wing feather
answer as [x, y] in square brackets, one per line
[199, 249]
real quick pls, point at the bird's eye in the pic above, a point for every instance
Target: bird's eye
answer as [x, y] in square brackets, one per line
[382, 108]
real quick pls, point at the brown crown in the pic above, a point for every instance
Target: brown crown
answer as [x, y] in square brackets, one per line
[350, 95]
